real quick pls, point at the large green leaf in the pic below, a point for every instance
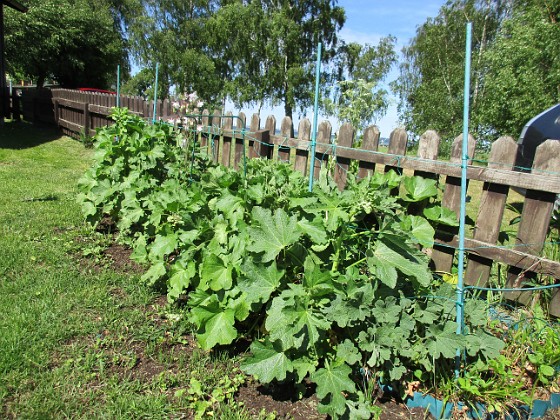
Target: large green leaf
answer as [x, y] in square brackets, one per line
[163, 245]
[333, 383]
[332, 210]
[348, 352]
[154, 273]
[418, 188]
[420, 229]
[260, 281]
[273, 234]
[444, 340]
[215, 323]
[441, 215]
[314, 229]
[180, 278]
[384, 262]
[295, 318]
[267, 363]
[216, 272]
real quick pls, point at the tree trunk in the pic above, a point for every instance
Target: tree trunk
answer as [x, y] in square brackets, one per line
[40, 81]
[288, 111]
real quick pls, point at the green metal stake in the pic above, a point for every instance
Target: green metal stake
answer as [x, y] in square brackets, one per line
[464, 158]
[315, 117]
[155, 95]
[118, 86]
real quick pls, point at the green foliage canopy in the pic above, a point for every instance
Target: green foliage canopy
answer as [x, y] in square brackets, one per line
[270, 48]
[430, 85]
[77, 43]
[515, 67]
[523, 77]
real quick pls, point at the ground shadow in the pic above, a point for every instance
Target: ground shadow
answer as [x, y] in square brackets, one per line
[24, 135]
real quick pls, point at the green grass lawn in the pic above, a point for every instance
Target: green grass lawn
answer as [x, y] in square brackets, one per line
[78, 340]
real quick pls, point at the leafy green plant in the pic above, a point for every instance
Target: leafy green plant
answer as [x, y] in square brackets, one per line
[204, 401]
[325, 283]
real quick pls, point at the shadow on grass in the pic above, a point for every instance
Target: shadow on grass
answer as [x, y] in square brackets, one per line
[24, 135]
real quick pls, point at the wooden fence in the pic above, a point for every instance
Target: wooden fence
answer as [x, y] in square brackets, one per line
[495, 181]
[79, 112]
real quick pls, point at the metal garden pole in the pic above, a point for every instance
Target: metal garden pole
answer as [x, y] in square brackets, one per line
[118, 86]
[155, 95]
[315, 117]
[464, 160]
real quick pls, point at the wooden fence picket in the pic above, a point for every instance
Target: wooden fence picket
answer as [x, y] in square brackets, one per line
[491, 211]
[283, 152]
[443, 255]
[240, 140]
[532, 232]
[370, 142]
[345, 139]
[302, 154]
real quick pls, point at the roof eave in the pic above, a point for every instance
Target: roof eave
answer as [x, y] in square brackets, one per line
[15, 5]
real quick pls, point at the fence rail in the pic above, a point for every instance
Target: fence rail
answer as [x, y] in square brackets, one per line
[80, 112]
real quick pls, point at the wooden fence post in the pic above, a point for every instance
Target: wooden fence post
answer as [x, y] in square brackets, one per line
[535, 219]
[491, 210]
[86, 124]
[227, 138]
[304, 135]
[428, 148]
[254, 144]
[442, 256]
[324, 140]
[345, 139]
[286, 132]
[369, 142]
[240, 143]
[397, 147]
[270, 125]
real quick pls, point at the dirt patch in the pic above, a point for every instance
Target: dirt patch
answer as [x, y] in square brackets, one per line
[257, 398]
[119, 256]
[275, 399]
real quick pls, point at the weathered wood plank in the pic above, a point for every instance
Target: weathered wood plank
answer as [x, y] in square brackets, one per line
[322, 154]
[443, 256]
[72, 126]
[270, 125]
[537, 208]
[226, 142]
[512, 257]
[397, 148]
[370, 144]
[345, 139]
[301, 158]
[286, 129]
[240, 142]
[538, 180]
[428, 148]
[491, 211]
[254, 126]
